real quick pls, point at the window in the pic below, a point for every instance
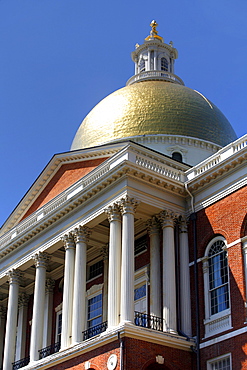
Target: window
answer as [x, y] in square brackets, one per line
[220, 363]
[164, 64]
[216, 288]
[142, 65]
[177, 156]
[141, 245]
[218, 277]
[59, 315]
[94, 316]
[95, 269]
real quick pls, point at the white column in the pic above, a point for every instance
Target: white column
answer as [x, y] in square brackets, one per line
[155, 277]
[81, 235]
[2, 331]
[155, 61]
[114, 282]
[169, 277]
[22, 327]
[105, 255]
[49, 286]
[14, 277]
[127, 207]
[41, 260]
[184, 278]
[68, 290]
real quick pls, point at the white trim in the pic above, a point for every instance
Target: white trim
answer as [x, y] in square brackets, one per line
[224, 337]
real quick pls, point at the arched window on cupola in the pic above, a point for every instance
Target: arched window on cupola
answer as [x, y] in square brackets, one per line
[163, 64]
[142, 65]
[177, 156]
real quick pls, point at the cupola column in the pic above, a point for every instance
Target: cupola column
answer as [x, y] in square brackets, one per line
[114, 279]
[81, 235]
[155, 278]
[127, 206]
[167, 219]
[22, 326]
[14, 277]
[41, 261]
[184, 277]
[49, 287]
[68, 290]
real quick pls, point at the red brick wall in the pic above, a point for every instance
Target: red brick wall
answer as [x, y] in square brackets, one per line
[138, 355]
[227, 217]
[66, 176]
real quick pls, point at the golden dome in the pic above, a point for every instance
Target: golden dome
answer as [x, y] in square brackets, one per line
[153, 108]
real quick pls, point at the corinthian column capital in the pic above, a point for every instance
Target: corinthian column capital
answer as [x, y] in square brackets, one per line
[183, 224]
[15, 276]
[68, 241]
[81, 234]
[153, 225]
[167, 218]
[41, 259]
[49, 285]
[113, 213]
[23, 300]
[128, 205]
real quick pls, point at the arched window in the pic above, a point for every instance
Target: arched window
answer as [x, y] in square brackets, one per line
[218, 277]
[177, 156]
[216, 288]
[164, 64]
[142, 65]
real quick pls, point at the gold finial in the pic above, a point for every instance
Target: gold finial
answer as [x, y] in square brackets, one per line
[154, 32]
[154, 24]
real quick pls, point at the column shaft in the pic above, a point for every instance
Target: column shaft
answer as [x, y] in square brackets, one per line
[41, 260]
[79, 304]
[155, 277]
[50, 284]
[184, 279]
[114, 282]
[2, 331]
[169, 278]
[11, 324]
[22, 327]
[68, 291]
[127, 206]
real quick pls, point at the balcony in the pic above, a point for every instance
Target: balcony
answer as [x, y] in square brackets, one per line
[95, 330]
[149, 321]
[47, 351]
[21, 363]
[155, 75]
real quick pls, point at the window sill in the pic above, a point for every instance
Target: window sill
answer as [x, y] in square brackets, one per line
[218, 323]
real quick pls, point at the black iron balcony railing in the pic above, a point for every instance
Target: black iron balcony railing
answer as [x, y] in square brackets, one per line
[149, 321]
[49, 350]
[95, 330]
[21, 363]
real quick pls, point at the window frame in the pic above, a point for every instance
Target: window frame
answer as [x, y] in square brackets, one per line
[94, 291]
[216, 360]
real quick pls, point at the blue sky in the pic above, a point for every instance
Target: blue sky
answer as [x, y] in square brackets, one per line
[61, 57]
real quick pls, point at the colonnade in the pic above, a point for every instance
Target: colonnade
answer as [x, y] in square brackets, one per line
[120, 308]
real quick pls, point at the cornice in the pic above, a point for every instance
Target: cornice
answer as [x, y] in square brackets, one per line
[131, 161]
[50, 170]
[225, 160]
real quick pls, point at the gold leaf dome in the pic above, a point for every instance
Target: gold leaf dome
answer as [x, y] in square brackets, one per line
[153, 108]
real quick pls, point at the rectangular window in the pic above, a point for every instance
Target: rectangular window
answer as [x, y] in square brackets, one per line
[95, 269]
[94, 311]
[141, 245]
[59, 327]
[221, 363]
